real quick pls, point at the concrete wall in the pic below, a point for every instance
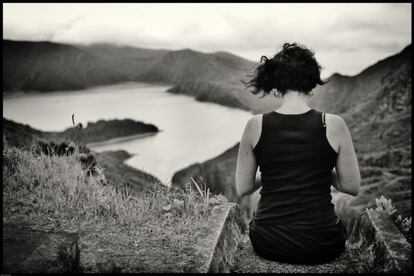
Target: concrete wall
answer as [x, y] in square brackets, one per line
[381, 245]
[217, 245]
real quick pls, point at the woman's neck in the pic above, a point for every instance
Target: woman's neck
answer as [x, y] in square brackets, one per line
[294, 102]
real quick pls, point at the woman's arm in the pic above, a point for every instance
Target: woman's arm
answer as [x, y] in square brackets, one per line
[246, 182]
[347, 171]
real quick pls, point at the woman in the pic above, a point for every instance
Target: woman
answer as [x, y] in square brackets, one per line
[297, 150]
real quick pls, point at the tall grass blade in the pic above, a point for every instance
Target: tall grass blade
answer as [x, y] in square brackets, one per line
[198, 188]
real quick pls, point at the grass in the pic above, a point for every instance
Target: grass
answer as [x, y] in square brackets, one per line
[55, 192]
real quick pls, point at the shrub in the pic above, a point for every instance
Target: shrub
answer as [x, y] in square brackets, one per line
[384, 204]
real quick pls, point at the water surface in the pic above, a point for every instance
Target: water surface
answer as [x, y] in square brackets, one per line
[191, 131]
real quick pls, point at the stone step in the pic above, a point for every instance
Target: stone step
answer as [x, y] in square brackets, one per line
[246, 261]
[30, 251]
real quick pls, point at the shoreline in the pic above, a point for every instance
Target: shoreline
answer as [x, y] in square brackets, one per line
[121, 139]
[19, 94]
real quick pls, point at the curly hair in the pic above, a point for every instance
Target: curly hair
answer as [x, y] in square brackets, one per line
[293, 68]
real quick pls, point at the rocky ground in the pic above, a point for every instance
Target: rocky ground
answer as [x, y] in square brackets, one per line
[248, 262]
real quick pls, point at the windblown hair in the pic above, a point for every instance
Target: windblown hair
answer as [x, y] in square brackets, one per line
[293, 68]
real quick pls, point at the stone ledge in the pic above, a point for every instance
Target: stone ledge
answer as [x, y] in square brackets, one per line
[217, 245]
[375, 245]
[380, 243]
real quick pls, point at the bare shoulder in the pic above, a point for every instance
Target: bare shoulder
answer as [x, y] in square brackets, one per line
[336, 130]
[254, 128]
[254, 124]
[335, 123]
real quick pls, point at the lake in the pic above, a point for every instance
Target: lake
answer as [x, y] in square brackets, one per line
[191, 131]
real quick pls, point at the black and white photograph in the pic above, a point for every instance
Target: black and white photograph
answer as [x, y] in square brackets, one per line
[207, 137]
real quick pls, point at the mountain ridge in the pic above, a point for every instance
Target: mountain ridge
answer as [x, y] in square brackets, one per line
[122, 63]
[214, 77]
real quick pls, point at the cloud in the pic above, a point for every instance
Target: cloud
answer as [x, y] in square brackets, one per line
[338, 33]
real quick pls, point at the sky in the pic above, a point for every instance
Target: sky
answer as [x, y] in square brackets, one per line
[346, 38]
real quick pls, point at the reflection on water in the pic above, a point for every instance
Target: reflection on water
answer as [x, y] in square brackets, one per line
[191, 131]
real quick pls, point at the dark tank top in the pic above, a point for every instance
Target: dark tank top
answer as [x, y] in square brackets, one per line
[295, 220]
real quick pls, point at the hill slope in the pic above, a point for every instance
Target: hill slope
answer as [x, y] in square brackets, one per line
[46, 66]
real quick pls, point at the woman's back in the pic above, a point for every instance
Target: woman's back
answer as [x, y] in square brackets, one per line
[295, 219]
[295, 161]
